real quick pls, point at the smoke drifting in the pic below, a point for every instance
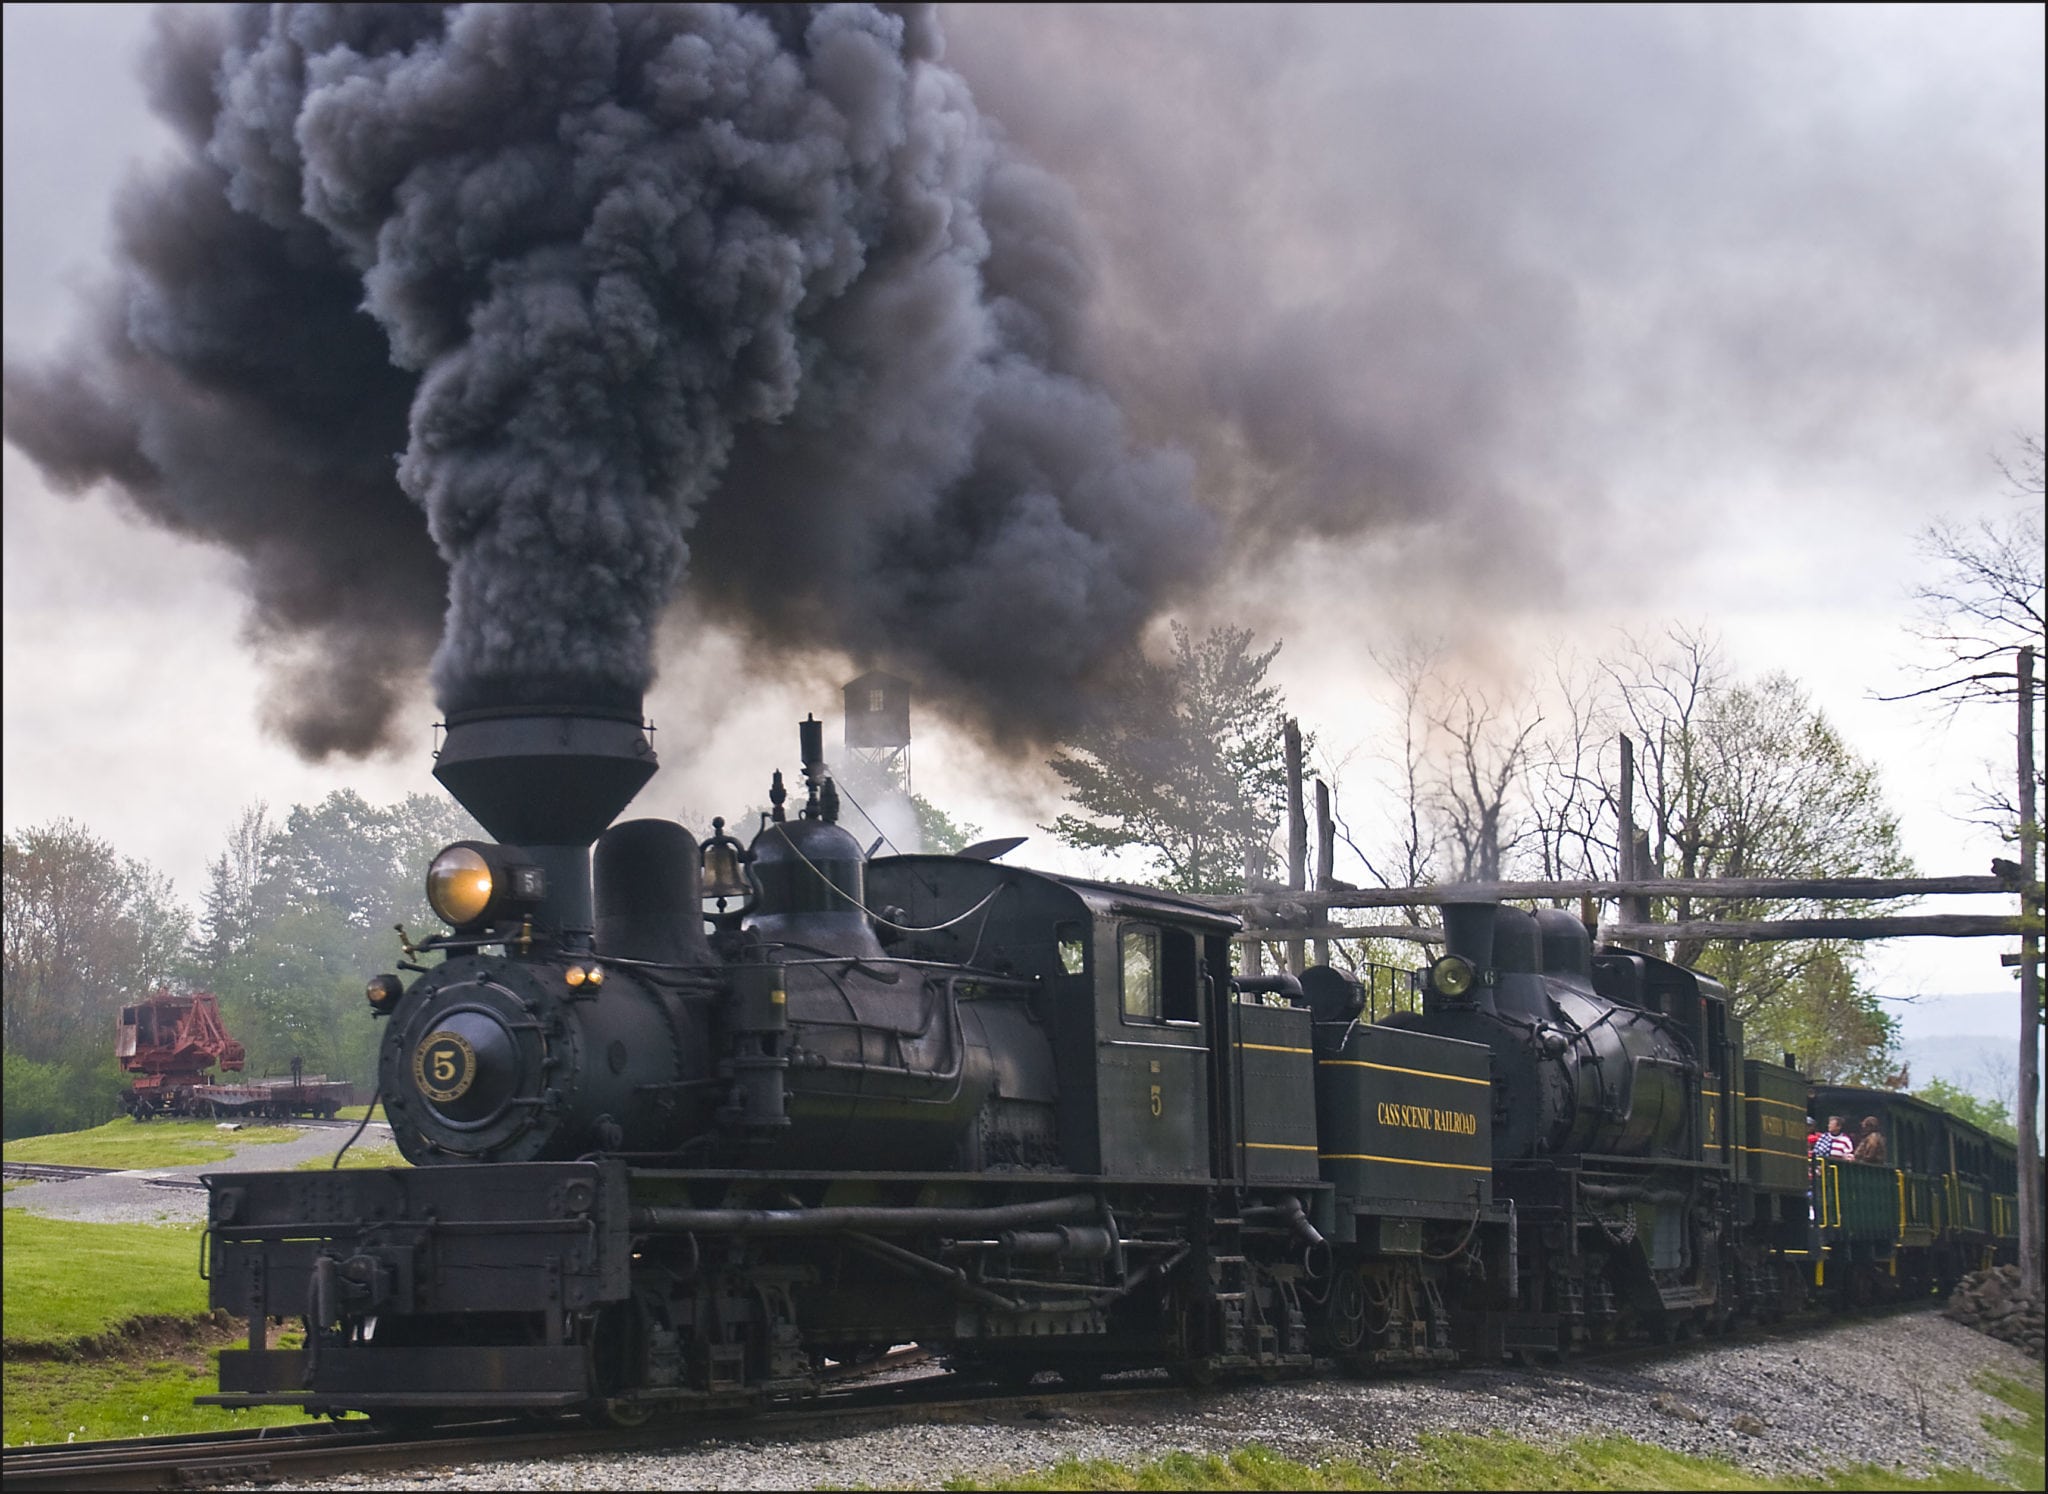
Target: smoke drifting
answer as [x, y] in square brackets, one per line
[762, 312]
[574, 279]
[1548, 302]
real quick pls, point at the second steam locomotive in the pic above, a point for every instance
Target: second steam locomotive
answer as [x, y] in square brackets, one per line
[1033, 1122]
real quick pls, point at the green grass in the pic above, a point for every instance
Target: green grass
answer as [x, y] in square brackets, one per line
[2024, 1463]
[127, 1143]
[384, 1154]
[1454, 1461]
[66, 1281]
[72, 1287]
[357, 1112]
[94, 1399]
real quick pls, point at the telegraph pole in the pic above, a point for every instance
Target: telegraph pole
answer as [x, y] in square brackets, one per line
[2030, 995]
[1297, 834]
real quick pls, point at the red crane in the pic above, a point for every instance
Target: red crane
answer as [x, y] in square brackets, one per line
[169, 1042]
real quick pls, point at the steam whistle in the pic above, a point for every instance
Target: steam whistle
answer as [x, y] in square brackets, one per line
[821, 799]
[812, 749]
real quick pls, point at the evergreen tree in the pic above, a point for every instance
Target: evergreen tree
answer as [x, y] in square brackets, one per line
[1185, 762]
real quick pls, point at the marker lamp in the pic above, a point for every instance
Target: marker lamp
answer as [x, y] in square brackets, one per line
[1452, 976]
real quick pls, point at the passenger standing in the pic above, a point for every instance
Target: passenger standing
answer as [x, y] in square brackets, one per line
[1836, 1145]
[1871, 1147]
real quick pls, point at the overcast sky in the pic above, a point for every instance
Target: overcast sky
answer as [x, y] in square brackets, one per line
[1593, 319]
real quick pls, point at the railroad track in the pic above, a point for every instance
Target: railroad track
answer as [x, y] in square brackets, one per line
[295, 1454]
[317, 1124]
[44, 1172]
[299, 1453]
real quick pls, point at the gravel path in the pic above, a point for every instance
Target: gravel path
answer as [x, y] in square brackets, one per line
[1904, 1402]
[129, 1197]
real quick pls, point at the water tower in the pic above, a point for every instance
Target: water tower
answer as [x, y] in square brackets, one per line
[878, 726]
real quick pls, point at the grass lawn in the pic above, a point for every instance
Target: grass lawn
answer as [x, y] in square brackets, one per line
[67, 1281]
[384, 1154]
[91, 1399]
[127, 1143]
[357, 1112]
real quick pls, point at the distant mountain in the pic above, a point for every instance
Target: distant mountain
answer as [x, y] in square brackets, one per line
[1974, 1063]
[1985, 1066]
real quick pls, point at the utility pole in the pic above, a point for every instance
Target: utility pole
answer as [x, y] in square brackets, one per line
[1631, 864]
[1297, 836]
[1326, 857]
[2030, 995]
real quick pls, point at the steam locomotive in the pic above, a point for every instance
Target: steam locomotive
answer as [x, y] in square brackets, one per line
[670, 1155]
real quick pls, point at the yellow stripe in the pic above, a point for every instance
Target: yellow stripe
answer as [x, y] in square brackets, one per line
[1274, 1048]
[1713, 1092]
[1277, 1146]
[1398, 1161]
[1766, 1100]
[1359, 1063]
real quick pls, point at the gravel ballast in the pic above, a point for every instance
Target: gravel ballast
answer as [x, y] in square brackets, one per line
[1896, 1392]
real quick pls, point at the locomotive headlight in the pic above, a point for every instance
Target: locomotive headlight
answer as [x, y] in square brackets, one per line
[1452, 976]
[460, 884]
[383, 992]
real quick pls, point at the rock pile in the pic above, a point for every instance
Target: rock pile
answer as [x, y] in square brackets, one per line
[1990, 1302]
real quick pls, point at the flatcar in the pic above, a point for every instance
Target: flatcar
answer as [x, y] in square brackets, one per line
[691, 1122]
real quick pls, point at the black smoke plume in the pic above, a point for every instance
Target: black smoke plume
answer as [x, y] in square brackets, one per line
[611, 294]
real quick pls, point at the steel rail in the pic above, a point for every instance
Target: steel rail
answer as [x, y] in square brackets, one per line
[296, 1453]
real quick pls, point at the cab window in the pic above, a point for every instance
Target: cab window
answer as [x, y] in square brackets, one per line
[1140, 965]
[1162, 974]
[1073, 947]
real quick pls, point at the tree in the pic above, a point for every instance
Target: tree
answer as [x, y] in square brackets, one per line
[938, 831]
[298, 914]
[877, 803]
[1982, 617]
[1750, 780]
[1185, 763]
[1483, 745]
[1989, 1115]
[87, 932]
[1570, 805]
[228, 908]
[1984, 603]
